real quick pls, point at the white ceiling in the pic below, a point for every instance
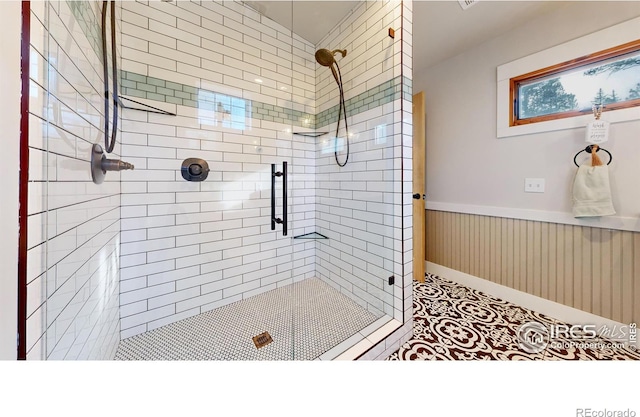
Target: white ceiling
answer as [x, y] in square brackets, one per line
[313, 19]
[441, 29]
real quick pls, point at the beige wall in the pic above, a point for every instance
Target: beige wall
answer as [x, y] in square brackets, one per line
[10, 139]
[468, 165]
[469, 169]
[591, 269]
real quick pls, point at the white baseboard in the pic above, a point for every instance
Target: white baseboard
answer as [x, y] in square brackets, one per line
[541, 305]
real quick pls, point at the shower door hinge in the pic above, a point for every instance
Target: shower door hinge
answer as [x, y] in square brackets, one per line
[392, 280]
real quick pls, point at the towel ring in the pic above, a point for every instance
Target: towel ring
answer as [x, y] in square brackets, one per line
[588, 150]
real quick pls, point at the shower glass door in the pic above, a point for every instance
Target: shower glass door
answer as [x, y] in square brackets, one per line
[268, 87]
[345, 185]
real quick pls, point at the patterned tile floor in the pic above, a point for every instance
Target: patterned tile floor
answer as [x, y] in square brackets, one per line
[452, 321]
[305, 319]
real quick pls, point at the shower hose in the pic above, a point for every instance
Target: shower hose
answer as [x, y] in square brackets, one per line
[109, 145]
[342, 111]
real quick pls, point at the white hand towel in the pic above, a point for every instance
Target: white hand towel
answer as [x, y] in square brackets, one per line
[592, 192]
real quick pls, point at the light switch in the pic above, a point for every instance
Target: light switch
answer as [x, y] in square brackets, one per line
[534, 185]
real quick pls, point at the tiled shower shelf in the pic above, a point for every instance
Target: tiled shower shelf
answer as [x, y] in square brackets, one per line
[144, 107]
[312, 235]
[310, 134]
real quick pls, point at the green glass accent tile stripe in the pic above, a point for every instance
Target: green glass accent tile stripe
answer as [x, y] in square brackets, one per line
[151, 88]
[85, 15]
[88, 22]
[375, 97]
[141, 86]
[407, 89]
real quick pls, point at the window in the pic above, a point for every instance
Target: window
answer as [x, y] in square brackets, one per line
[575, 54]
[610, 78]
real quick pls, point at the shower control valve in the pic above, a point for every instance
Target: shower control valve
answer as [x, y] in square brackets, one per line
[194, 169]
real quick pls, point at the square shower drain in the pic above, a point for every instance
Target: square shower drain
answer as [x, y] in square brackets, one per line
[262, 340]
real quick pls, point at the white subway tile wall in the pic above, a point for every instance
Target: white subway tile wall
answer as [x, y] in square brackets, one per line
[405, 70]
[74, 225]
[361, 205]
[239, 84]
[240, 87]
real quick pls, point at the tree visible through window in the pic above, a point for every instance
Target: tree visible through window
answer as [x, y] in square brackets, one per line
[609, 78]
[545, 97]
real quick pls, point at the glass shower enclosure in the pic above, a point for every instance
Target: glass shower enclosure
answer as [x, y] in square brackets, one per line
[284, 251]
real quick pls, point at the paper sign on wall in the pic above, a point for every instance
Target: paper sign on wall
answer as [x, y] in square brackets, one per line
[597, 132]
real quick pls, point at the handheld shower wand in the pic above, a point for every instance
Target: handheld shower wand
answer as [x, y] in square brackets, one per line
[326, 59]
[99, 162]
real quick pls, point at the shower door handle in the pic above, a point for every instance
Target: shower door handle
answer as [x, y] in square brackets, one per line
[273, 196]
[275, 220]
[284, 198]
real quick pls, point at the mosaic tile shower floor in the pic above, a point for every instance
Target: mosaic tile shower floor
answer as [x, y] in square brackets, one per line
[305, 319]
[455, 322]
